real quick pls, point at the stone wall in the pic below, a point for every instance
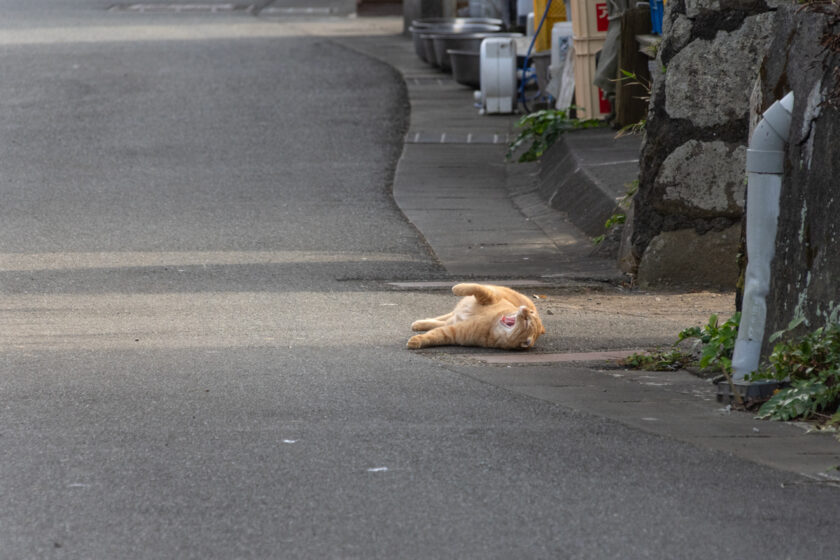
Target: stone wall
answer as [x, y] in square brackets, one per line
[805, 59]
[686, 218]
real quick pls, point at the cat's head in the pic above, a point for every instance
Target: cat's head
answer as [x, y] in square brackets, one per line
[521, 329]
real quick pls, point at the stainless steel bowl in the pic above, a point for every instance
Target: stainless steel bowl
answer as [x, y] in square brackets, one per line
[466, 67]
[431, 22]
[460, 42]
[428, 46]
[446, 28]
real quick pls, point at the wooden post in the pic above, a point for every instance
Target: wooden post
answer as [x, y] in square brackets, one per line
[630, 107]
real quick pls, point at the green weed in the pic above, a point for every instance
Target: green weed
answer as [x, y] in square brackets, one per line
[657, 361]
[632, 79]
[619, 217]
[718, 341]
[811, 363]
[542, 129]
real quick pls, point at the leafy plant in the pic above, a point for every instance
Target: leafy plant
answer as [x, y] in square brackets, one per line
[615, 219]
[652, 50]
[811, 362]
[657, 361]
[809, 356]
[542, 129]
[633, 79]
[619, 217]
[637, 127]
[804, 399]
[718, 341]
[632, 189]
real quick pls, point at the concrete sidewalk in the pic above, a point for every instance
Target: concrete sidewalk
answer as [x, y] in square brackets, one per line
[485, 218]
[482, 216]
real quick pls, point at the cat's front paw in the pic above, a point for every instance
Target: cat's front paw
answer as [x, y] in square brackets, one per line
[415, 342]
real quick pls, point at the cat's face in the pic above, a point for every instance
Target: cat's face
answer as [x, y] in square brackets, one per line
[521, 328]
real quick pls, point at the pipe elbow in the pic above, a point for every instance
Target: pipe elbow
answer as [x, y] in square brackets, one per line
[767, 145]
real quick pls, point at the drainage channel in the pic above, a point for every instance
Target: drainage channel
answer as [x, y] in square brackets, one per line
[443, 137]
[178, 8]
[299, 11]
[258, 8]
[445, 285]
[601, 356]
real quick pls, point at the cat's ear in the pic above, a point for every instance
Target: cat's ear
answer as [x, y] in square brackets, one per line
[528, 343]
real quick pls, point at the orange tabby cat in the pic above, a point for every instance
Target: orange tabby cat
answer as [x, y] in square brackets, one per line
[491, 316]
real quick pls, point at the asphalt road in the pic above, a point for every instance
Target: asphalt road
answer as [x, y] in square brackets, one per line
[201, 357]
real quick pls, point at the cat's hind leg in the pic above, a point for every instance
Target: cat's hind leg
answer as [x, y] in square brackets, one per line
[484, 295]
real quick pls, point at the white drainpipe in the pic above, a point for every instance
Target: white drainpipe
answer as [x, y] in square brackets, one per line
[765, 165]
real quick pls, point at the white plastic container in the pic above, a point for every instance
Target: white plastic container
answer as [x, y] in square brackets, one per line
[561, 44]
[498, 75]
[523, 8]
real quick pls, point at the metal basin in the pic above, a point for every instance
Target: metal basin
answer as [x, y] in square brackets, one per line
[432, 22]
[428, 47]
[445, 28]
[460, 42]
[466, 67]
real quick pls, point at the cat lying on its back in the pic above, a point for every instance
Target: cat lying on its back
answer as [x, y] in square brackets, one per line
[491, 316]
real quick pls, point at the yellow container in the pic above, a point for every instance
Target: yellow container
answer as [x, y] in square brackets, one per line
[557, 12]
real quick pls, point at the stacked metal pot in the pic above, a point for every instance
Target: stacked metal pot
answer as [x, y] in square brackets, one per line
[454, 44]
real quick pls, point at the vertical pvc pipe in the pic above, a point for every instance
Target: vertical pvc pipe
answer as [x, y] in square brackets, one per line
[765, 165]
